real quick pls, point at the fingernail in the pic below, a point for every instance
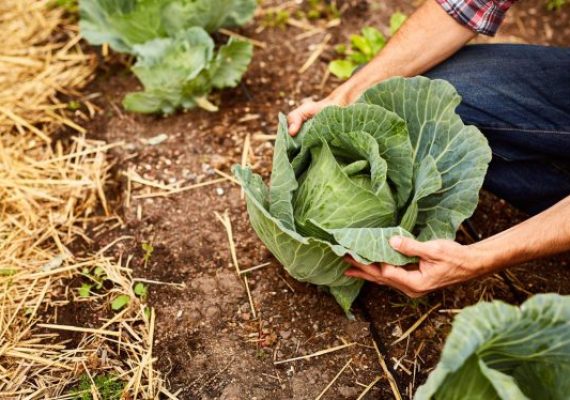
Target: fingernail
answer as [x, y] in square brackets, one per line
[395, 241]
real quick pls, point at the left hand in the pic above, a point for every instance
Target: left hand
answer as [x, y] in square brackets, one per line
[442, 263]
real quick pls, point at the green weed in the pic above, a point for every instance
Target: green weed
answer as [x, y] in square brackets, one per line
[108, 386]
[148, 249]
[71, 6]
[120, 302]
[413, 304]
[96, 278]
[276, 19]
[362, 48]
[555, 5]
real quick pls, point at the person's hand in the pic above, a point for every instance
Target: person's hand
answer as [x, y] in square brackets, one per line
[309, 108]
[306, 111]
[442, 263]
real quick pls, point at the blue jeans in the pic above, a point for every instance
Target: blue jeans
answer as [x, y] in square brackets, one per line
[519, 97]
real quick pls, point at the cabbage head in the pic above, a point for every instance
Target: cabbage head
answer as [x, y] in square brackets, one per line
[496, 351]
[398, 162]
[180, 71]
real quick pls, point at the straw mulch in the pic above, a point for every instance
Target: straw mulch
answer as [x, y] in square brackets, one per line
[34, 67]
[51, 192]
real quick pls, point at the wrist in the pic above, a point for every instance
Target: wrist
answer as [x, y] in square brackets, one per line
[349, 91]
[482, 260]
[341, 96]
[352, 89]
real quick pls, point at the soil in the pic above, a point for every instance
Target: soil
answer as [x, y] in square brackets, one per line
[208, 343]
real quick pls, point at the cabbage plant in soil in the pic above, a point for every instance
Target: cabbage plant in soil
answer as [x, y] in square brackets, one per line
[398, 162]
[177, 61]
[498, 351]
[180, 72]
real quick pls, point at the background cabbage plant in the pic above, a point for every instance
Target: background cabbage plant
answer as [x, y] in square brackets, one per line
[398, 162]
[498, 351]
[125, 23]
[180, 71]
[177, 62]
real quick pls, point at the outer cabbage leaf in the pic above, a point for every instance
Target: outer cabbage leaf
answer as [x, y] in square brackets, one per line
[126, 23]
[460, 152]
[498, 351]
[121, 23]
[532, 378]
[400, 162]
[179, 72]
[230, 63]
[208, 14]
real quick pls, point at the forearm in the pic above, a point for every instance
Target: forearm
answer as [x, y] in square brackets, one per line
[540, 236]
[427, 38]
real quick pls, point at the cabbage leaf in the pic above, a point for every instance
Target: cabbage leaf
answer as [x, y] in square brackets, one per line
[208, 14]
[126, 23]
[498, 351]
[179, 72]
[398, 162]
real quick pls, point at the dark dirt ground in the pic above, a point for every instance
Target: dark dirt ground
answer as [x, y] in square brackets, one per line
[208, 344]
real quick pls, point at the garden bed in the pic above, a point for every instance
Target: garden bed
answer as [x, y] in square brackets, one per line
[208, 342]
[220, 334]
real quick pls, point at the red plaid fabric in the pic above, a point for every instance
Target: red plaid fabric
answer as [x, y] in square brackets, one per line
[483, 16]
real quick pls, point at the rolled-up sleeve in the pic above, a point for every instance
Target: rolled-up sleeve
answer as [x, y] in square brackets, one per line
[483, 16]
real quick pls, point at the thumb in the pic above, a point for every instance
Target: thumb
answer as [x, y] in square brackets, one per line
[298, 116]
[409, 247]
[295, 120]
[306, 111]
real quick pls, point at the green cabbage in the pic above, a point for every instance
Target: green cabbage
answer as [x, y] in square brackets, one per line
[125, 23]
[399, 162]
[176, 60]
[180, 72]
[498, 351]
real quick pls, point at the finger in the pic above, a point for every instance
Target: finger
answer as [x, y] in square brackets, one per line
[398, 275]
[406, 280]
[410, 247]
[370, 269]
[295, 120]
[356, 273]
[297, 117]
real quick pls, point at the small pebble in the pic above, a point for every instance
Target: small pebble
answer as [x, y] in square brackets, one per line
[397, 331]
[285, 334]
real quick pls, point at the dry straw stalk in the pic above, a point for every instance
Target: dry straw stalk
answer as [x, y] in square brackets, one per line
[50, 193]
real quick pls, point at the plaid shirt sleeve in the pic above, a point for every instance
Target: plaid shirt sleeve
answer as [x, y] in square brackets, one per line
[483, 16]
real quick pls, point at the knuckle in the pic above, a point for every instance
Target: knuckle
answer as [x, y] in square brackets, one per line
[416, 287]
[404, 245]
[378, 276]
[308, 112]
[387, 272]
[438, 248]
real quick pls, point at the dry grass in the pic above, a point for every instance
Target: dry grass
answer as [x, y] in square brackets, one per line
[50, 193]
[34, 67]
